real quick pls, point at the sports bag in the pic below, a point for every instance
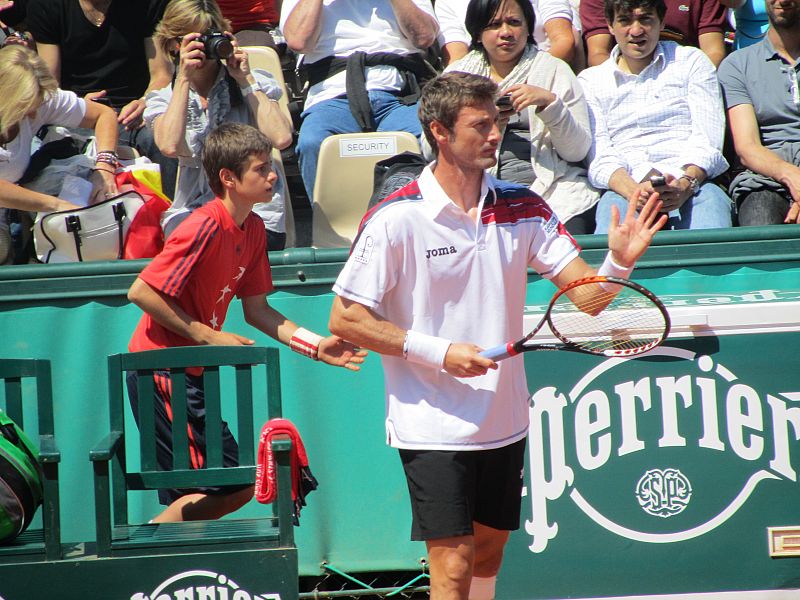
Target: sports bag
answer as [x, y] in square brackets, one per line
[20, 480]
[95, 232]
[395, 172]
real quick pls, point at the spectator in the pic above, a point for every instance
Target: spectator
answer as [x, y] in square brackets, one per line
[214, 255]
[252, 21]
[546, 129]
[697, 23]
[13, 14]
[458, 419]
[552, 30]
[655, 108]
[762, 95]
[103, 49]
[377, 43]
[204, 94]
[30, 100]
[749, 19]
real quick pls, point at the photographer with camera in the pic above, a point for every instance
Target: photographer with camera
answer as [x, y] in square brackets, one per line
[213, 84]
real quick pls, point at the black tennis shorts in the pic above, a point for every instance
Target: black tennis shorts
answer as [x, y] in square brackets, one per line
[451, 489]
[196, 423]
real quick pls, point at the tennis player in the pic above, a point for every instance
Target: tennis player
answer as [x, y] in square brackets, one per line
[437, 273]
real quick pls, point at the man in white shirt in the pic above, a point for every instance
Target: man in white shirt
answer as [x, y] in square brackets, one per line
[438, 272]
[655, 110]
[363, 64]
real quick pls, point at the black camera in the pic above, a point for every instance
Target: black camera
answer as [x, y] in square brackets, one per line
[216, 44]
[504, 102]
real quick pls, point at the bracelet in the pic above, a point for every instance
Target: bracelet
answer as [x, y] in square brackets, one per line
[109, 171]
[305, 342]
[426, 350]
[108, 157]
[251, 89]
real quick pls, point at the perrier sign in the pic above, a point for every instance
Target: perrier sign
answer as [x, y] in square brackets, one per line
[654, 457]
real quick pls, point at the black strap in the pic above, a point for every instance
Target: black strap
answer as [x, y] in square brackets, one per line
[119, 216]
[413, 68]
[74, 225]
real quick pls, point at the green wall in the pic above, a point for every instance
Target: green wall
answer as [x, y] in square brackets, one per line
[358, 519]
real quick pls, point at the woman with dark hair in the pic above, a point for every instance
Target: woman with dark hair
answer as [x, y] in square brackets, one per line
[545, 119]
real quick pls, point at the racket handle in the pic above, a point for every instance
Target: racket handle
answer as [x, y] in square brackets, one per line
[499, 352]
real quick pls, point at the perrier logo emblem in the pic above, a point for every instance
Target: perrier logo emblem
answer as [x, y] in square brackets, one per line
[656, 450]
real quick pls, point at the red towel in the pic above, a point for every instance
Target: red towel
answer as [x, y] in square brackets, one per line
[303, 481]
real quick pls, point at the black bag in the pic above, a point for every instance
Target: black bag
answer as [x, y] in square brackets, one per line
[395, 172]
[20, 479]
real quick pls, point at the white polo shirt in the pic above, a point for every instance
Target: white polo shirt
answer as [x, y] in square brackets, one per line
[420, 262]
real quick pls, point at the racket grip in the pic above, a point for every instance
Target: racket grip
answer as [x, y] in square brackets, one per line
[499, 352]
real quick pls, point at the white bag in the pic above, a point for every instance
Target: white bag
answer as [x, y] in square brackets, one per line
[95, 232]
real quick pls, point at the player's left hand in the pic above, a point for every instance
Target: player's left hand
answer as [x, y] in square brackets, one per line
[340, 353]
[629, 239]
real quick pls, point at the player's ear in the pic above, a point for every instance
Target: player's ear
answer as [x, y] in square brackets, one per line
[227, 178]
[439, 131]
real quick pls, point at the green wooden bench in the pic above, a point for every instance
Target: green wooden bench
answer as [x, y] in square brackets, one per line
[29, 409]
[114, 477]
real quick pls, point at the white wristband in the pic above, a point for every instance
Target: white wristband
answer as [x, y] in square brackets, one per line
[612, 269]
[425, 349]
[305, 342]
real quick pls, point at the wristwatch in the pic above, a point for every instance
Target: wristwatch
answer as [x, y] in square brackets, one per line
[694, 184]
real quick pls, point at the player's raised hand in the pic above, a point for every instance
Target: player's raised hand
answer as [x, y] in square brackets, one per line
[629, 239]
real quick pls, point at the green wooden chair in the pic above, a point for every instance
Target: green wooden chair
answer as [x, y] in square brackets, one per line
[114, 478]
[29, 409]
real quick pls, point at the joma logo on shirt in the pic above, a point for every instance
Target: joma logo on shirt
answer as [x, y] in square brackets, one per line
[440, 251]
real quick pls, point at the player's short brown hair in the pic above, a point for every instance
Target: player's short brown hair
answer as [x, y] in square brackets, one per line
[444, 96]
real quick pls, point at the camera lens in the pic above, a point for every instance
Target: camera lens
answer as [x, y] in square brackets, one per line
[219, 46]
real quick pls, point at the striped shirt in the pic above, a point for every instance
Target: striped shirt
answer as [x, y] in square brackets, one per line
[667, 116]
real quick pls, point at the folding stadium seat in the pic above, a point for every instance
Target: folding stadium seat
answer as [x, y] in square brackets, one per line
[345, 177]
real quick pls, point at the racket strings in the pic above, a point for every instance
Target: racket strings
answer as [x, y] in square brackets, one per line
[598, 320]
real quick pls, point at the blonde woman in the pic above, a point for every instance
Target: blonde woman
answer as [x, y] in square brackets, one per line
[209, 89]
[30, 99]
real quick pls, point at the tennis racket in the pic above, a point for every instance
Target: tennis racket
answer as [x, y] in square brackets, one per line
[606, 316]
